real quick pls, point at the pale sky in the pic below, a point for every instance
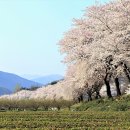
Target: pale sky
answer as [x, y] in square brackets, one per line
[30, 31]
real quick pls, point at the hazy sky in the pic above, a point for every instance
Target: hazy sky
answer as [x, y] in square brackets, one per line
[30, 31]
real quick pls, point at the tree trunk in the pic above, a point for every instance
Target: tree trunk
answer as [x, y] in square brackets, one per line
[78, 99]
[117, 87]
[127, 71]
[89, 97]
[108, 88]
[81, 98]
[97, 95]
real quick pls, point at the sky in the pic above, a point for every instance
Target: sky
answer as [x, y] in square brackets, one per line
[30, 31]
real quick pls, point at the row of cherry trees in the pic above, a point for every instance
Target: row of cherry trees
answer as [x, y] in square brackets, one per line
[97, 48]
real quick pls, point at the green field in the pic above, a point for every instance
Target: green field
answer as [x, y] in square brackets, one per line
[61, 120]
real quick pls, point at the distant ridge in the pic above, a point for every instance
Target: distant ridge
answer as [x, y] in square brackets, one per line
[8, 82]
[48, 79]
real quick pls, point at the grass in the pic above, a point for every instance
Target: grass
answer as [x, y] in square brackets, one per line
[64, 120]
[118, 104]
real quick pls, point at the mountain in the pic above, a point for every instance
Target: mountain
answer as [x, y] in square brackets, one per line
[4, 91]
[48, 79]
[8, 82]
[30, 76]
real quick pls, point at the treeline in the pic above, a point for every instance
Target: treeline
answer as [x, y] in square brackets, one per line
[33, 104]
[33, 88]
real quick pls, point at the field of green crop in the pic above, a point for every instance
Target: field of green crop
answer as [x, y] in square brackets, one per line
[64, 120]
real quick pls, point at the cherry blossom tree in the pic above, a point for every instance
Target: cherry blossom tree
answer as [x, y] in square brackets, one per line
[98, 46]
